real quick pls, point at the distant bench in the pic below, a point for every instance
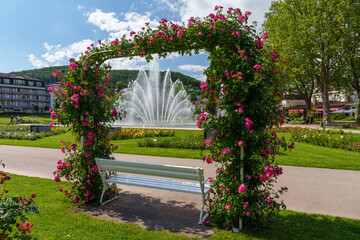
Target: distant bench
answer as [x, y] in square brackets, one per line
[157, 170]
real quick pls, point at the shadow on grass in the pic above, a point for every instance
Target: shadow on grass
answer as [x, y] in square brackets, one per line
[152, 214]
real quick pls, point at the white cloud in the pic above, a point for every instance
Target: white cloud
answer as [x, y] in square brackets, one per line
[79, 7]
[36, 61]
[109, 22]
[136, 63]
[173, 6]
[199, 77]
[202, 8]
[57, 53]
[192, 68]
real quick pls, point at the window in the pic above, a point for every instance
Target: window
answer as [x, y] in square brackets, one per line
[38, 84]
[31, 83]
[20, 82]
[6, 81]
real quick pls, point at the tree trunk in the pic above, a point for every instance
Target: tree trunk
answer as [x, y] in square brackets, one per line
[358, 110]
[326, 104]
[308, 104]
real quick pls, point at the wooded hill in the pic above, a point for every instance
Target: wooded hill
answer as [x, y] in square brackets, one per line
[119, 78]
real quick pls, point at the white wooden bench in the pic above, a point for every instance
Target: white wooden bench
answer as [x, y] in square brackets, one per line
[157, 170]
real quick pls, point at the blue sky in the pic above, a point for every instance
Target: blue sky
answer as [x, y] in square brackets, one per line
[41, 33]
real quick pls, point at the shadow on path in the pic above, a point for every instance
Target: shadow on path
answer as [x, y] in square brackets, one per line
[153, 214]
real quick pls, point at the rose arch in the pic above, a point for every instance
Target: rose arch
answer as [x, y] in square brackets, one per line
[243, 96]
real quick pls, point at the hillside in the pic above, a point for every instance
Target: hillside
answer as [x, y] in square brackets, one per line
[119, 79]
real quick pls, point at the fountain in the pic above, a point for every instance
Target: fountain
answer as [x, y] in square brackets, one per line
[151, 101]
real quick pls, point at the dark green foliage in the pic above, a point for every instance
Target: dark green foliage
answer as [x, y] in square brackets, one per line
[190, 142]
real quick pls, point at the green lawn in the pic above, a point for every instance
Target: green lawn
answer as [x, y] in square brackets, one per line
[58, 220]
[6, 120]
[307, 155]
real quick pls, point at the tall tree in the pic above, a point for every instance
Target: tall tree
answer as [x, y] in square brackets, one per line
[320, 34]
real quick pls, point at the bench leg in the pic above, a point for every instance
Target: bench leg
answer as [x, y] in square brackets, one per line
[102, 194]
[203, 218]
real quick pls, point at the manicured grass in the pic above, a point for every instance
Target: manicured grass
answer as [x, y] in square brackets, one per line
[6, 120]
[307, 155]
[58, 220]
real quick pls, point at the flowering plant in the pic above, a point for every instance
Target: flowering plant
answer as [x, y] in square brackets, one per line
[242, 85]
[12, 215]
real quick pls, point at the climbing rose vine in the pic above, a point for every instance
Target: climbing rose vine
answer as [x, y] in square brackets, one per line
[243, 96]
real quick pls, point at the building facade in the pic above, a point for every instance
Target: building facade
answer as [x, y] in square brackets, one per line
[23, 93]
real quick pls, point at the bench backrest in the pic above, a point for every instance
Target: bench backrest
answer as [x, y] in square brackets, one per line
[160, 170]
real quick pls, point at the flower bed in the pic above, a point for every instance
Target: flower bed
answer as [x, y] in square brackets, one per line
[23, 132]
[191, 142]
[140, 133]
[325, 138]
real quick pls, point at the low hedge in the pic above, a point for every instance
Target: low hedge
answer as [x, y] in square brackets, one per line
[191, 142]
[23, 132]
[140, 133]
[325, 138]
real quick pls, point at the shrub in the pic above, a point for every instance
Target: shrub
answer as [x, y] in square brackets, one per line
[325, 138]
[140, 133]
[23, 132]
[13, 221]
[191, 142]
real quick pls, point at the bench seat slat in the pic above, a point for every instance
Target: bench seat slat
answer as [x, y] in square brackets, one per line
[187, 187]
[152, 172]
[162, 167]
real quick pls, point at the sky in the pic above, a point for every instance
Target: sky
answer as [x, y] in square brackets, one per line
[42, 33]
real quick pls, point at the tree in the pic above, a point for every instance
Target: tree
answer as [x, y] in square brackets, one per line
[321, 34]
[354, 81]
[36, 108]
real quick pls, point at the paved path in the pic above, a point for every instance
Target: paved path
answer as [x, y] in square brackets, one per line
[312, 190]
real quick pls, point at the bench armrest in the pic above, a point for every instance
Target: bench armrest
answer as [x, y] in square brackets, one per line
[205, 180]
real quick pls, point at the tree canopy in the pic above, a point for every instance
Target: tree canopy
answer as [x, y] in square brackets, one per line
[316, 39]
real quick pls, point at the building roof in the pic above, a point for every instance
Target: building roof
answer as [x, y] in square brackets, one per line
[7, 75]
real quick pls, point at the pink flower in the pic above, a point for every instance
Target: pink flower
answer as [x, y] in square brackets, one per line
[85, 68]
[228, 150]
[248, 177]
[85, 124]
[246, 204]
[114, 113]
[142, 52]
[265, 36]
[120, 53]
[268, 200]
[241, 188]
[241, 143]
[248, 213]
[227, 206]
[91, 135]
[274, 55]
[72, 66]
[53, 115]
[76, 198]
[203, 86]
[246, 57]
[56, 179]
[257, 66]
[262, 177]
[209, 160]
